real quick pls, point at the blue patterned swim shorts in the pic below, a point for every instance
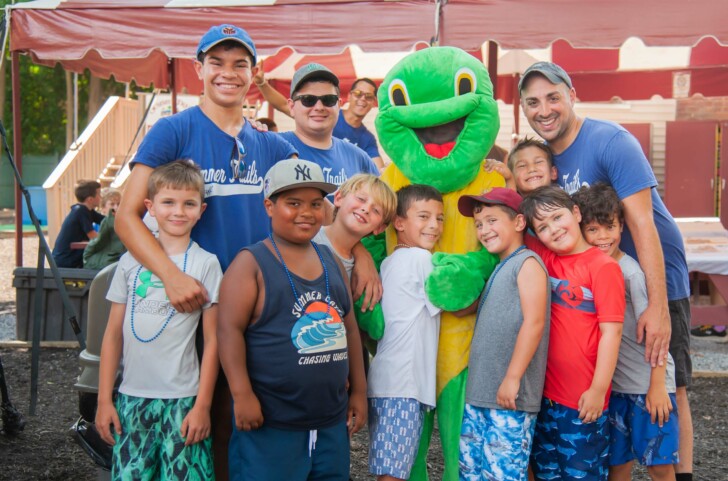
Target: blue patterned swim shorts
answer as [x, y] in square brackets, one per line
[495, 444]
[395, 426]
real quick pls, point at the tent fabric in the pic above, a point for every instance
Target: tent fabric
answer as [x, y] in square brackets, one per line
[524, 24]
[135, 39]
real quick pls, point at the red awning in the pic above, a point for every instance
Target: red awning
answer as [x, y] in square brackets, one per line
[132, 39]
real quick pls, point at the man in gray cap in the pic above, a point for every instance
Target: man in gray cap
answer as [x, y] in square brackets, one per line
[314, 105]
[350, 124]
[588, 151]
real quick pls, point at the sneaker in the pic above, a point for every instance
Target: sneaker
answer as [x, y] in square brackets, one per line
[705, 331]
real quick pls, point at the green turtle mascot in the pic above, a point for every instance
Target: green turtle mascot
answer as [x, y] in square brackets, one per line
[437, 121]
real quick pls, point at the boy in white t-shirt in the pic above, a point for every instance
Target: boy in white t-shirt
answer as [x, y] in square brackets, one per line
[401, 384]
[159, 425]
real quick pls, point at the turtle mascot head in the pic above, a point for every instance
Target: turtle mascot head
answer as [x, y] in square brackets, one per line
[437, 117]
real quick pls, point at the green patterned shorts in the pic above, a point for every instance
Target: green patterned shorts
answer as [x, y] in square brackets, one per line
[152, 447]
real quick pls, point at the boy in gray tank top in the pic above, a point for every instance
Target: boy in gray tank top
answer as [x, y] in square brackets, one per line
[507, 362]
[642, 407]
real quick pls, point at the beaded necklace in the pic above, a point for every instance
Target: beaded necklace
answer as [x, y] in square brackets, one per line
[290, 277]
[492, 277]
[172, 310]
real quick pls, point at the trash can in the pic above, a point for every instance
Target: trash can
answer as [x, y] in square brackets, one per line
[54, 318]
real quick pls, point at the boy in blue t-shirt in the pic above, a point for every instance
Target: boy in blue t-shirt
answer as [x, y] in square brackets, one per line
[78, 226]
[642, 407]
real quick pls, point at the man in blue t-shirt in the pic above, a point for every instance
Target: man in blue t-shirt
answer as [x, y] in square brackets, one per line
[587, 151]
[234, 158]
[350, 122]
[314, 105]
[350, 125]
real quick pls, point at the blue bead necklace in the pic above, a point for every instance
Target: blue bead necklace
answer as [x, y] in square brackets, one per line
[172, 310]
[492, 277]
[290, 277]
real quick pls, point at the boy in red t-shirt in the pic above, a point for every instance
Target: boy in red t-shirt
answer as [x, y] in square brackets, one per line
[587, 310]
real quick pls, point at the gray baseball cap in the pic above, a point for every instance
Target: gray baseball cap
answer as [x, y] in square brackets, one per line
[294, 174]
[311, 70]
[551, 71]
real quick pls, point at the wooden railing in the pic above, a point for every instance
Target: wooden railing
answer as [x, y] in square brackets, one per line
[109, 134]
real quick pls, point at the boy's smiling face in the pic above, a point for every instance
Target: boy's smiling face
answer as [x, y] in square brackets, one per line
[497, 231]
[559, 230]
[605, 237]
[422, 227]
[359, 212]
[531, 169]
[297, 214]
[176, 210]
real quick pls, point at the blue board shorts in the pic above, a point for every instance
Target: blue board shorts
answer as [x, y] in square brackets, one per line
[495, 444]
[270, 454]
[568, 449]
[633, 435]
[395, 426]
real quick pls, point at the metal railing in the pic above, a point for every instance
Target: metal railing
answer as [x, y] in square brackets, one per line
[109, 134]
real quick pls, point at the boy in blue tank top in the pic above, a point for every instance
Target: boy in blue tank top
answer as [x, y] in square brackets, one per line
[288, 341]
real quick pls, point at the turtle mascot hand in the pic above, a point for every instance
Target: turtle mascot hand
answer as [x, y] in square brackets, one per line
[437, 121]
[457, 279]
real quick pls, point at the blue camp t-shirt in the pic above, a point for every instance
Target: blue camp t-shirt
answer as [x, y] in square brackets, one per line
[338, 162]
[605, 152]
[235, 216]
[75, 228]
[359, 136]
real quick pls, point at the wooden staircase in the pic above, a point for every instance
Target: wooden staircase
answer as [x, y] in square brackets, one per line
[108, 175]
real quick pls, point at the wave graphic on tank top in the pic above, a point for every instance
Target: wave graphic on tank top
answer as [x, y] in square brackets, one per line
[317, 331]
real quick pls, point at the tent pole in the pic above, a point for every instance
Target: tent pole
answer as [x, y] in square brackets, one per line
[173, 84]
[18, 154]
[516, 101]
[493, 66]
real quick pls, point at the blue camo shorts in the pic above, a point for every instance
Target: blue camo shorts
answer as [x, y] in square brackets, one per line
[495, 444]
[568, 449]
[633, 435]
[395, 426]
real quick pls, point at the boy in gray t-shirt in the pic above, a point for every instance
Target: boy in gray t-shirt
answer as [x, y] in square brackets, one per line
[642, 406]
[507, 363]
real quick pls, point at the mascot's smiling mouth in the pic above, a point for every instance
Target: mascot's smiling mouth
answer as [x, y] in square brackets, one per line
[440, 139]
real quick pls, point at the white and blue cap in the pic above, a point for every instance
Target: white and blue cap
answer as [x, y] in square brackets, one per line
[553, 73]
[222, 33]
[295, 174]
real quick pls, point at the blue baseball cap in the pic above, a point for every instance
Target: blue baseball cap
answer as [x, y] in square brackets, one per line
[221, 33]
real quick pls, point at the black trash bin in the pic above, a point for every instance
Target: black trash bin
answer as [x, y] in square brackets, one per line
[54, 321]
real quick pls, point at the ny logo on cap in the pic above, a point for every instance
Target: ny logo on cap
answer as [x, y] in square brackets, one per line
[303, 172]
[229, 31]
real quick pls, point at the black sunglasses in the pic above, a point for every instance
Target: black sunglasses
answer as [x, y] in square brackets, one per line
[310, 100]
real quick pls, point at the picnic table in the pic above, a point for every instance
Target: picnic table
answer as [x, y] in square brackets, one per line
[706, 249]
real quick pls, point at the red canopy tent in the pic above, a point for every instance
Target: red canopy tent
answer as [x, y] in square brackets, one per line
[146, 40]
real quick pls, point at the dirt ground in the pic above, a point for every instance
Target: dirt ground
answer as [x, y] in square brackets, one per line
[44, 451]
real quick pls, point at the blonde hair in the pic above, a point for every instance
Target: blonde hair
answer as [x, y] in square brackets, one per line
[381, 192]
[108, 194]
[180, 174]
